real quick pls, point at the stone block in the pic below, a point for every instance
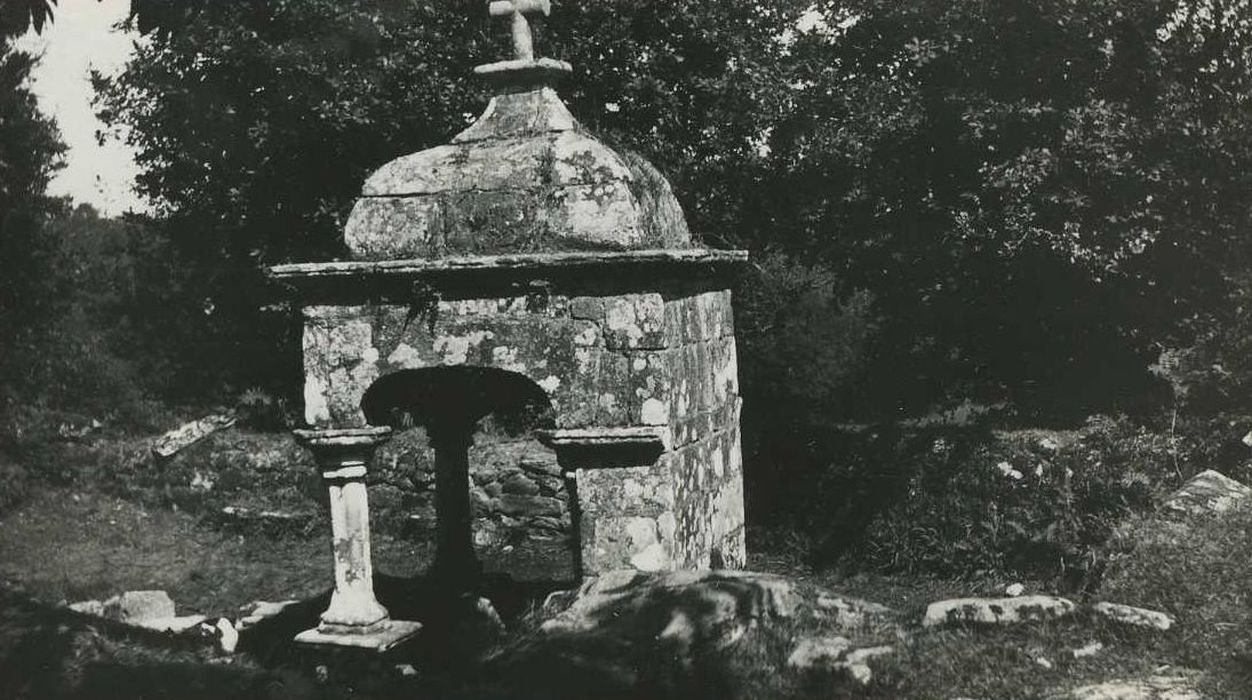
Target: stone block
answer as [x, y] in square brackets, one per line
[693, 321]
[725, 366]
[1135, 617]
[135, 606]
[587, 308]
[651, 384]
[518, 484]
[613, 396]
[629, 490]
[635, 322]
[596, 392]
[710, 307]
[997, 610]
[518, 505]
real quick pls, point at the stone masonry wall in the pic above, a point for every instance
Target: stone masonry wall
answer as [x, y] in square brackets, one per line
[687, 510]
[647, 359]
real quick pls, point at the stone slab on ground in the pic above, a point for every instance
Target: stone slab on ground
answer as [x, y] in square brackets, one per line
[188, 434]
[997, 611]
[136, 606]
[173, 625]
[1137, 617]
[1208, 492]
[261, 610]
[1179, 686]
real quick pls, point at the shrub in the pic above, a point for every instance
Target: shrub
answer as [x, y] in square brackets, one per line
[963, 502]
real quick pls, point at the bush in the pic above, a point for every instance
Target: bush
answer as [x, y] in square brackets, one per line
[966, 502]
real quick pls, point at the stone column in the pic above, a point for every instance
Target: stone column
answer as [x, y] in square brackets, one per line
[354, 616]
[456, 567]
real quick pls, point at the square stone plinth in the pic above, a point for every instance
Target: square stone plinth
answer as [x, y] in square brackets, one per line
[392, 634]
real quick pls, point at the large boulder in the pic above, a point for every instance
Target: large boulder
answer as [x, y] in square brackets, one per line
[712, 633]
[1208, 492]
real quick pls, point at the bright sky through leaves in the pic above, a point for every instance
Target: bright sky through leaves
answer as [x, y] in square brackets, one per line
[82, 37]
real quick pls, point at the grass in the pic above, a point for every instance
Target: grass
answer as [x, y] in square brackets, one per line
[76, 545]
[65, 545]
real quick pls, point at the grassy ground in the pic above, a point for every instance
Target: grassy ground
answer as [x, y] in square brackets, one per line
[64, 545]
[69, 546]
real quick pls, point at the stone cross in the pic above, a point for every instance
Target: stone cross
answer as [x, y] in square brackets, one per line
[523, 43]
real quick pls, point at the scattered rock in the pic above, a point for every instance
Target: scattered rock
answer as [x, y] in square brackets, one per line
[1179, 687]
[227, 636]
[836, 653]
[856, 662]
[263, 610]
[997, 610]
[1138, 617]
[849, 612]
[1208, 492]
[88, 607]
[1089, 650]
[188, 434]
[818, 651]
[1043, 662]
[1014, 590]
[173, 625]
[135, 606]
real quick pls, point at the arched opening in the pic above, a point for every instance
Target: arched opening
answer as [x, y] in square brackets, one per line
[450, 403]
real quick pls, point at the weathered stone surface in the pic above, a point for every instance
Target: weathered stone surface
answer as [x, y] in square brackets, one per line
[262, 610]
[635, 321]
[173, 625]
[1137, 617]
[136, 606]
[1208, 492]
[813, 652]
[88, 607]
[527, 248]
[849, 612]
[1087, 650]
[997, 610]
[525, 177]
[690, 628]
[188, 434]
[1161, 687]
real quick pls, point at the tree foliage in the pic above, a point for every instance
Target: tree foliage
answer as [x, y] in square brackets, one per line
[1020, 201]
[30, 153]
[1037, 192]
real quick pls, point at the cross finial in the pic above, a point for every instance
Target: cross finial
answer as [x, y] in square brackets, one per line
[518, 10]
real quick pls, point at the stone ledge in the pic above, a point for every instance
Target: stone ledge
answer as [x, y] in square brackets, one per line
[606, 448]
[526, 262]
[646, 436]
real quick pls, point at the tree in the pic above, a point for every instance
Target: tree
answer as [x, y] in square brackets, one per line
[30, 153]
[1037, 194]
[19, 16]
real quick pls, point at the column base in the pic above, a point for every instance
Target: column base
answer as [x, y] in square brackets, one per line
[378, 638]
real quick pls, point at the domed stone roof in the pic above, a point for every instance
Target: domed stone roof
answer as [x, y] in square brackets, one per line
[524, 178]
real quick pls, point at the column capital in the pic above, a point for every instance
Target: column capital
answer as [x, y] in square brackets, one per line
[343, 448]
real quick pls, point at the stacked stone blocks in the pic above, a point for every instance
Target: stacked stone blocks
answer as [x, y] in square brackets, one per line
[664, 359]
